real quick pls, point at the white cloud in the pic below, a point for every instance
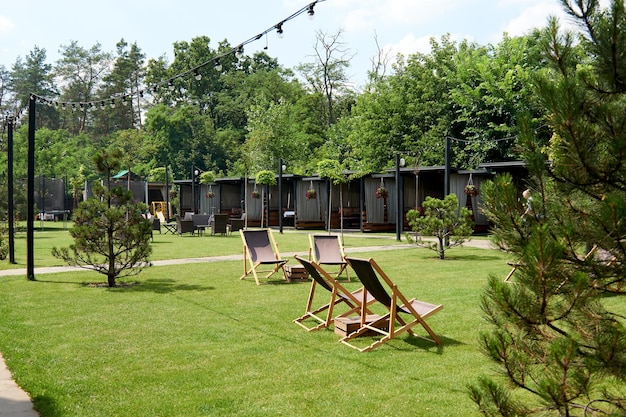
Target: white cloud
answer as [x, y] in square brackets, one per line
[369, 14]
[409, 45]
[534, 16]
[6, 25]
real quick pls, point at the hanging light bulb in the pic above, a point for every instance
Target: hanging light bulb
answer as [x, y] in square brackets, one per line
[112, 104]
[102, 105]
[197, 74]
[218, 65]
[73, 106]
[63, 106]
[239, 52]
[311, 12]
[170, 85]
[125, 101]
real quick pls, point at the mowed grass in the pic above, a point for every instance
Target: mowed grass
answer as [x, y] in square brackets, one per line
[173, 246]
[194, 340]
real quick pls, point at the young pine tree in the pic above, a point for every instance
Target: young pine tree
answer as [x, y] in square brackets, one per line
[558, 340]
[110, 234]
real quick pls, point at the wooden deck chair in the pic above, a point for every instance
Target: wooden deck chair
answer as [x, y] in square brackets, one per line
[514, 266]
[259, 248]
[338, 295]
[328, 250]
[368, 271]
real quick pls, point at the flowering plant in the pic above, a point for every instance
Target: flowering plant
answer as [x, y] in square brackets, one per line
[210, 194]
[381, 192]
[471, 190]
[310, 194]
[256, 194]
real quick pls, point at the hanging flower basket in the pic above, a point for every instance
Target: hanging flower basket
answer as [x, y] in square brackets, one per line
[255, 194]
[311, 194]
[471, 190]
[381, 192]
[210, 194]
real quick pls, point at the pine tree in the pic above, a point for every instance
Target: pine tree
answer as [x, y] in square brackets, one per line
[110, 234]
[559, 341]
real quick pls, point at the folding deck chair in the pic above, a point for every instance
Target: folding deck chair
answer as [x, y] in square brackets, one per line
[338, 294]
[328, 250]
[368, 271]
[259, 248]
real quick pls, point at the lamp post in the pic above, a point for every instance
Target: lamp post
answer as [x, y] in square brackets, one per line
[167, 195]
[194, 173]
[10, 190]
[30, 187]
[399, 198]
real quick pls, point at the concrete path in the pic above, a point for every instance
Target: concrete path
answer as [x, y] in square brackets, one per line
[15, 402]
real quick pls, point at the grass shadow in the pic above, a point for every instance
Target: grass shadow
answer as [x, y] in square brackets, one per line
[163, 286]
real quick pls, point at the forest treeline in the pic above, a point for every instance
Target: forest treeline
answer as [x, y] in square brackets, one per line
[245, 114]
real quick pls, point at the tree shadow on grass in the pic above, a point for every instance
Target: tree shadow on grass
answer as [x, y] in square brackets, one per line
[158, 286]
[464, 257]
[161, 286]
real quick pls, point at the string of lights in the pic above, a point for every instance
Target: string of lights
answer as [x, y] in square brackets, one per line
[215, 62]
[481, 141]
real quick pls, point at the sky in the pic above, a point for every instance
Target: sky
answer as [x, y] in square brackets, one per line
[397, 26]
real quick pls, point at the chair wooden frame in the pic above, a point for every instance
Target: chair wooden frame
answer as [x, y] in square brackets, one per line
[368, 272]
[328, 250]
[260, 248]
[338, 294]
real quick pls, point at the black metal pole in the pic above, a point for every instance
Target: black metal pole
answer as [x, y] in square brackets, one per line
[399, 210]
[361, 202]
[280, 195]
[167, 195]
[446, 183]
[30, 187]
[193, 189]
[10, 191]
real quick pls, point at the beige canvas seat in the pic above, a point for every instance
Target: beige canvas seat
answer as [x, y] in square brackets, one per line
[338, 294]
[396, 304]
[260, 249]
[328, 250]
[170, 227]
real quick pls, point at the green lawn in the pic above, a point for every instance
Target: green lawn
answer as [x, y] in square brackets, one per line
[194, 340]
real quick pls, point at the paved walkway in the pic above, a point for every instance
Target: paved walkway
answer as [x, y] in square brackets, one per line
[15, 402]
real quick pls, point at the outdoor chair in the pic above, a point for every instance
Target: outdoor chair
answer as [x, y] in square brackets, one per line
[260, 250]
[201, 222]
[184, 226]
[156, 224]
[237, 224]
[219, 224]
[368, 272]
[338, 295]
[328, 250]
[169, 227]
